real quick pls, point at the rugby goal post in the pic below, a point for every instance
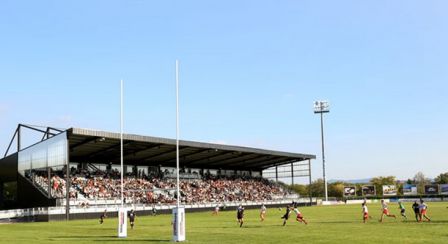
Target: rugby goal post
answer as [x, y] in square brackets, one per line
[178, 224]
[122, 222]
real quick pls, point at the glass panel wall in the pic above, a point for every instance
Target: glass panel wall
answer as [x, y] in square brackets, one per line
[45, 164]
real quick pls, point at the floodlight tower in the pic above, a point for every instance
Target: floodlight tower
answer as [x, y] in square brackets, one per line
[321, 107]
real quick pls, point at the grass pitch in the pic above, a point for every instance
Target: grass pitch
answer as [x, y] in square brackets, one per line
[327, 224]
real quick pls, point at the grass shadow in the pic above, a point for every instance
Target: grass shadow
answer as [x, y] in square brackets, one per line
[80, 237]
[131, 240]
[106, 238]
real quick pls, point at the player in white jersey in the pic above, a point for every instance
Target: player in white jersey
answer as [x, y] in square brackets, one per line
[423, 208]
[365, 212]
[385, 211]
[299, 216]
[216, 210]
[262, 212]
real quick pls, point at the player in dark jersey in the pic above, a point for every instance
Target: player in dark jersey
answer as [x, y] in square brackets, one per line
[286, 216]
[240, 214]
[294, 204]
[416, 208]
[103, 216]
[132, 218]
[154, 210]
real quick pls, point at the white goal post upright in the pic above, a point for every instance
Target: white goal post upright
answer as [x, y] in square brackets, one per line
[122, 212]
[178, 211]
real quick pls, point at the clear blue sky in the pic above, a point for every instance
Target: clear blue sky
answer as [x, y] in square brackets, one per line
[250, 71]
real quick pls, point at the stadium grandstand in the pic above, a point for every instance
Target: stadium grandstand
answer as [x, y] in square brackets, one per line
[69, 169]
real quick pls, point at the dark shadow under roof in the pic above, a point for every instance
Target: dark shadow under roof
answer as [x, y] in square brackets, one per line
[104, 147]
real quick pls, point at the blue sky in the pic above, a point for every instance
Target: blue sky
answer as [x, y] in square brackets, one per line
[250, 71]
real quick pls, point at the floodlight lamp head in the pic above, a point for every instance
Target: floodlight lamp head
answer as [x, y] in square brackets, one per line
[321, 107]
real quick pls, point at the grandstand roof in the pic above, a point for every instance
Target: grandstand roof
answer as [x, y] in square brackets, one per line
[104, 147]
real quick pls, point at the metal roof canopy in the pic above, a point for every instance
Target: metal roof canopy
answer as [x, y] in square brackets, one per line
[91, 146]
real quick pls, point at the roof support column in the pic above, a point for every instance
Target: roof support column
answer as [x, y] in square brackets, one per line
[67, 183]
[276, 174]
[49, 180]
[309, 177]
[292, 173]
[18, 137]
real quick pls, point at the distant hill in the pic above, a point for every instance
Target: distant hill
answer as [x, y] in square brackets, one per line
[356, 181]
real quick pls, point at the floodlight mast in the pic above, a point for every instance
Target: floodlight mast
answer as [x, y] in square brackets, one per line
[321, 107]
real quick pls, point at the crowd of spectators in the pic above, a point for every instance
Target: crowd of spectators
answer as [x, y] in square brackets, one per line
[155, 190]
[57, 186]
[224, 189]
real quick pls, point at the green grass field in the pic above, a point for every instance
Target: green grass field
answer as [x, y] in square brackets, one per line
[327, 224]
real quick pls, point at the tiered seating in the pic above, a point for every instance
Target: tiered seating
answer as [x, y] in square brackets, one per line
[155, 190]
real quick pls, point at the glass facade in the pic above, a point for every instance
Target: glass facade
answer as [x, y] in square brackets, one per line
[49, 153]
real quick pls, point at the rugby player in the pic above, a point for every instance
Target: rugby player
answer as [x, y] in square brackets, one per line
[262, 212]
[286, 216]
[132, 218]
[299, 216]
[423, 208]
[103, 216]
[416, 208]
[240, 215]
[365, 212]
[385, 211]
[402, 210]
